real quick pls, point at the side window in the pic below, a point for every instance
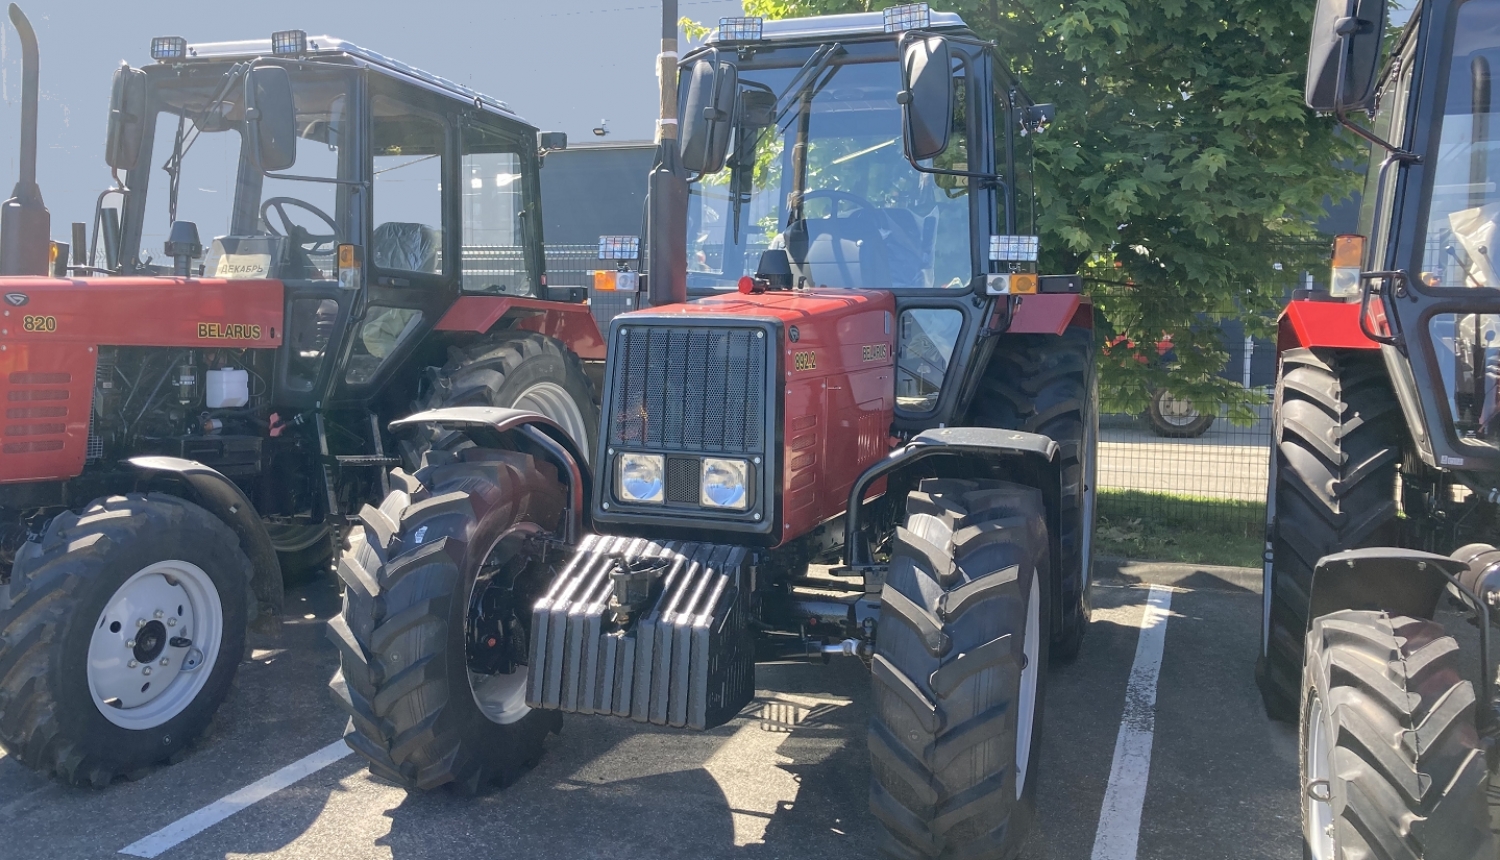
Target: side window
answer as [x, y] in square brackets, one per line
[408, 194]
[495, 208]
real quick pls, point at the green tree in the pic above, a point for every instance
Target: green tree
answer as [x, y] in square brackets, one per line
[1182, 175]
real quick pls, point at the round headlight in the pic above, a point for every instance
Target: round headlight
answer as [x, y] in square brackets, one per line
[640, 478]
[726, 484]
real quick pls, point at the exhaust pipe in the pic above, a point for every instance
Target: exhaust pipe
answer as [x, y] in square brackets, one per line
[666, 187]
[25, 223]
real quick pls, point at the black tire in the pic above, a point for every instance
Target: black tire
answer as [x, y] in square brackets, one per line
[59, 591]
[1174, 428]
[1401, 754]
[1337, 448]
[1048, 384]
[499, 370]
[947, 672]
[408, 574]
[304, 552]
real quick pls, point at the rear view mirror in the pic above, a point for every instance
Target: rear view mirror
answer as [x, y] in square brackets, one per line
[1346, 40]
[127, 119]
[708, 115]
[926, 97]
[552, 141]
[271, 117]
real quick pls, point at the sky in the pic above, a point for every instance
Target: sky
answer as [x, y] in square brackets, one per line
[562, 64]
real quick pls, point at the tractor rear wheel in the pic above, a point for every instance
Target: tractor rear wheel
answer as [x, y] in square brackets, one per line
[304, 551]
[414, 575]
[1335, 454]
[1047, 384]
[511, 369]
[1173, 417]
[126, 625]
[959, 672]
[1391, 764]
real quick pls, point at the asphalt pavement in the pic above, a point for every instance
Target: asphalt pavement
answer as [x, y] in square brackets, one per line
[788, 778]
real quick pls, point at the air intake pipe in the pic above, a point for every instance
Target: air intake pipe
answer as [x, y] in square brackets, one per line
[25, 223]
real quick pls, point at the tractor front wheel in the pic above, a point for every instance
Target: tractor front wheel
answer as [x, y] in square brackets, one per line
[439, 579]
[960, 671]
[1390, 758]
[126, 625]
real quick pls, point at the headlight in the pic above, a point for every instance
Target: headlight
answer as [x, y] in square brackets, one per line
[726, 484]
[640, 478]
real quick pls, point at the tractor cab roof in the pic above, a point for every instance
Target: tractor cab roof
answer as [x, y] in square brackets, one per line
[849, 26]
[328, 48]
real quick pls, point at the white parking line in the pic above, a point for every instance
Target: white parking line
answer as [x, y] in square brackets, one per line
[1119, 830]
[194, 823]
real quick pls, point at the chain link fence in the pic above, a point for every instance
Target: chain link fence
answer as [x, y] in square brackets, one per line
[574, 266]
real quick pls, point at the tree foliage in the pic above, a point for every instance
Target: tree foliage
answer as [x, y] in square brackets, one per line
[1182, 176]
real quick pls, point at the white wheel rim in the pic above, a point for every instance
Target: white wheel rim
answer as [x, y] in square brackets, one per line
[1026, 714]
[1319, 816]
[553, 401]
[1177, 411]
[501, 698]
[164, 603]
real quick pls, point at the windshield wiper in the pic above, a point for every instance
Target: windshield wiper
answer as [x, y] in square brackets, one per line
[185, 137]
[805, 78]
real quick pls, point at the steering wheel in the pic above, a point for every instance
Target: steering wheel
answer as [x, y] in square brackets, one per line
[839, 197]
[311, 243]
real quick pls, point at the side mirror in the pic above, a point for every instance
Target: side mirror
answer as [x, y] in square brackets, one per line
[127, 119]
[707, 117]
[1346, 40]
[271, 117]
[551, 141]
[926, 96]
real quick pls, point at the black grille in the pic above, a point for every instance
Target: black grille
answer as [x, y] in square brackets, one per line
[682, 388]
[684, 477]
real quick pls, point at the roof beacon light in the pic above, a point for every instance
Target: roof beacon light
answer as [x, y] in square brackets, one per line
[741, 29]
[911, 16]
[168, 48]
[289, 42]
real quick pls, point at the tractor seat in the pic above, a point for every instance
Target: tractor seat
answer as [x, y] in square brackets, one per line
[406, 247]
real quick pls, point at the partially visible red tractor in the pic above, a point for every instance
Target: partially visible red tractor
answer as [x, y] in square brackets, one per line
[305, 241]
[1167, 413]
[1384, 485]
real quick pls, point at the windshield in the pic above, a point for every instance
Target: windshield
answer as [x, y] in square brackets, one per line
[199, 172]
[822, 174]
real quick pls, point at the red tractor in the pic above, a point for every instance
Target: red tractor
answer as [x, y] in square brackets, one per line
[1385, 474]
[852, 421]
[186, 422]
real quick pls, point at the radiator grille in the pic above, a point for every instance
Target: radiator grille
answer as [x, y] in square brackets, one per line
[683, 479]
[686, 388]
[24, 404]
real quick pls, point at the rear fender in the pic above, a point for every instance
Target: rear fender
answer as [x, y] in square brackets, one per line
[210, 490]
[572, 324]
[1399, 581]
[489, 426]
[1306, 323]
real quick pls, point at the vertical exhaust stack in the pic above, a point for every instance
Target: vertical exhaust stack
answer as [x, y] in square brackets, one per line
[666, 188]
[25, 223]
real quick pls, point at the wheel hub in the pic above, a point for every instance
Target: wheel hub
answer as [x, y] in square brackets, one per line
[1177, 410]
[156, 630]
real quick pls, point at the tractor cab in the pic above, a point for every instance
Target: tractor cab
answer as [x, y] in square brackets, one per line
[377, 193]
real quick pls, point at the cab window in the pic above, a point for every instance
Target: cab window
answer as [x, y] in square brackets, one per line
[410, 152]
[496, 203]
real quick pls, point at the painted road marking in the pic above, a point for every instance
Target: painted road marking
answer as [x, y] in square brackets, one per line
[191, 825]
[1119, 831]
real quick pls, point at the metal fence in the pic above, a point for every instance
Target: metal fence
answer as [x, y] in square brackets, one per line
[574, 266]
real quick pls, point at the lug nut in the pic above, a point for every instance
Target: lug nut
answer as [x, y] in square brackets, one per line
[130, 644]
[159, 614]
[171, 622]
[140, 622]
[146, 670]
[132, 664]
[165, 661]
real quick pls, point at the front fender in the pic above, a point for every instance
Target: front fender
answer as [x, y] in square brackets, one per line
[225, 500]
[487, 426]
[1399, 581]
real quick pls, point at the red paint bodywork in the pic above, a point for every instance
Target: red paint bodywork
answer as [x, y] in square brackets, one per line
[47, 377]
[1330, 324]
[572, 324]
[1050, 313]
[837, 413]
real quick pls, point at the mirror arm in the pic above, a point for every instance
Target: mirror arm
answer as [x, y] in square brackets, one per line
[1341, 116]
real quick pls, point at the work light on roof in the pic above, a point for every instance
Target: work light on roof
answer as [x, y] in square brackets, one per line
[1013, 249]
[289, 42]
[619, 247]
[168, 48]
[910, 16]
[741, 29]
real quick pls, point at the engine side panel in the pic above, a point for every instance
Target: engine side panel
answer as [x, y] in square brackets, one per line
[206, 313]
[46, 391]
